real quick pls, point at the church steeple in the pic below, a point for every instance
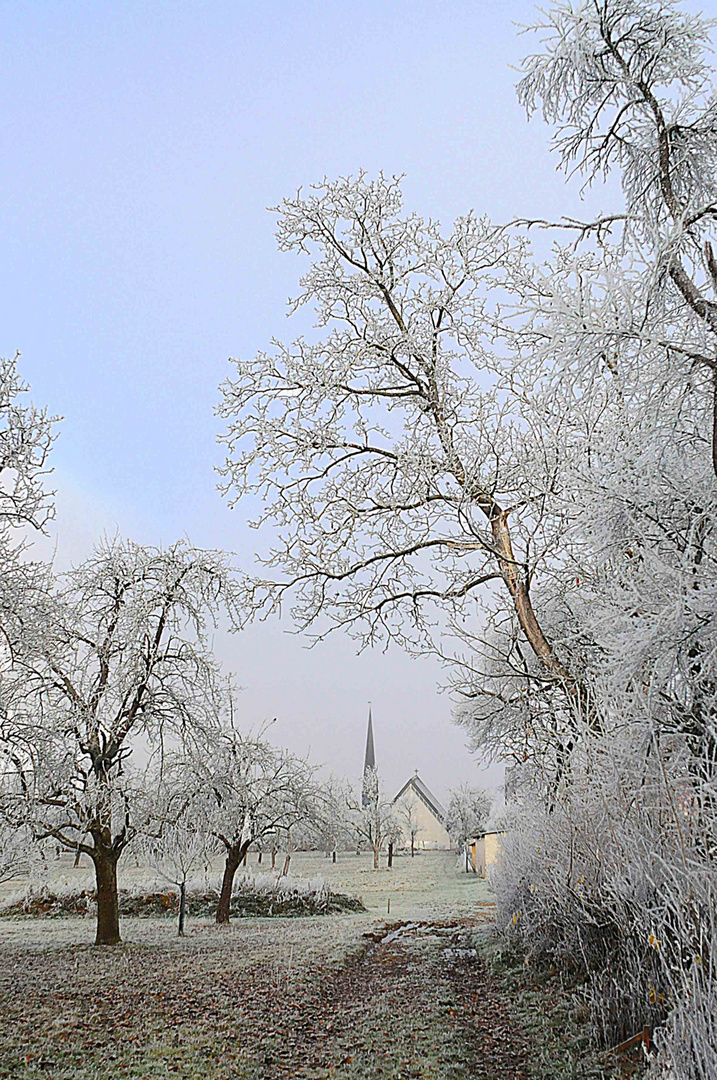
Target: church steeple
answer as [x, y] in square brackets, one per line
[369, 764]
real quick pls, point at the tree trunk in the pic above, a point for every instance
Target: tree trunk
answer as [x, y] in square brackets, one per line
[287, 860]
[413, 845]
[182, 907]
[390, 854]
[233, 859]
[260, 855]
[108, 929]
[273, 859]
[376, 850]
[333, 856]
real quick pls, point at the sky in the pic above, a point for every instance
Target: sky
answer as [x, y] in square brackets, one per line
[142, 144]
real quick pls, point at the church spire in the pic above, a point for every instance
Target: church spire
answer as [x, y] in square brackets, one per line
[369, 764]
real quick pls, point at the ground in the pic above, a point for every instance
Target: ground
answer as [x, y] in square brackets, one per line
[394, 995]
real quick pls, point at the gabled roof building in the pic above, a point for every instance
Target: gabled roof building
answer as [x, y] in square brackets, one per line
[419, 812]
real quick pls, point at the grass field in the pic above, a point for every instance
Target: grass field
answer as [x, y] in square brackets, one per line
[430, 885]
[349, 996]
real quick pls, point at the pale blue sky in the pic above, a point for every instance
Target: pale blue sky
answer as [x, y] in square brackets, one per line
[141, 144]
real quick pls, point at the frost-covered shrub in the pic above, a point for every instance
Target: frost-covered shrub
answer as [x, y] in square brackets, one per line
[254, 895]
[616, 889]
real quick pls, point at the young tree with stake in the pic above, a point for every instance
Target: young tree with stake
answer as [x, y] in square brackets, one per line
[182, 844]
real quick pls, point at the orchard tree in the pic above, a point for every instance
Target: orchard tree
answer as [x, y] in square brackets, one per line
[180, 844]
[374, 817]
[19, 854]
[253, 792]
[117, 659]
[331, 829]
[409, 821]
[467, 812]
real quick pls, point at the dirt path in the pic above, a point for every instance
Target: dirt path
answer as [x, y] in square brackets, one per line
[416, 1001]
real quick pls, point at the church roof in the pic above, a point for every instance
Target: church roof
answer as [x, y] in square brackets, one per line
[425, 794]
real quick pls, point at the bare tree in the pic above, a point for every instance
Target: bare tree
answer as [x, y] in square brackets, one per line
[409, 821]
[181, 844]
[331, 828]
[373, 816]
[467, 812]
[117, 656]
[391, 454]
[253, 792]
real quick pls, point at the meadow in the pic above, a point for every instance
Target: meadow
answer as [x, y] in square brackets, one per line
[405, 993]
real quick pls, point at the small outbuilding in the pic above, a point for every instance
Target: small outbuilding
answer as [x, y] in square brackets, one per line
[484, 851]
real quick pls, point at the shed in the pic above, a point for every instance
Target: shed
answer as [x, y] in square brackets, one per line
[485, 849]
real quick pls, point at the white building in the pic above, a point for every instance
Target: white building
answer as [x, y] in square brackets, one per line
[421, 817]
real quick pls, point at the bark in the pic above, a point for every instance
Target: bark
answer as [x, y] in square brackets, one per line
[375, 856]
[108, 929]
[233, 860]
[514, 578]
[182, 907]
[333, 856]
[390, 855]
[714, 422]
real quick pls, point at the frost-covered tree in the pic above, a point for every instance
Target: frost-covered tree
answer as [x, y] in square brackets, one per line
[26, 507]
[19, 854]
[407, 815]
[181, 844]
[374, 816]
[330, 829]
[467, 811]
[116, 660]
[613, 343]
[253, 791]
[26, 437]
[389, 453]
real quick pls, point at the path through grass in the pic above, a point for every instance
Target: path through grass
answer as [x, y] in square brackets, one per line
[350, 997]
